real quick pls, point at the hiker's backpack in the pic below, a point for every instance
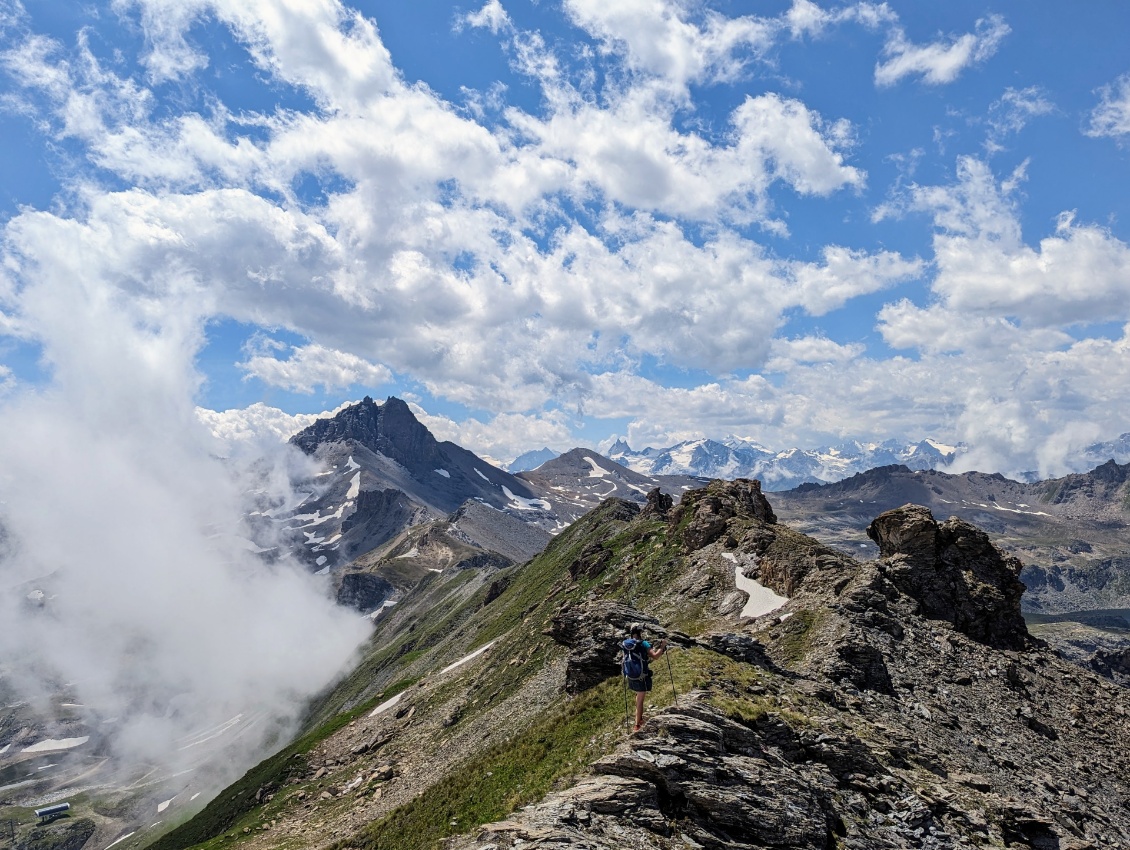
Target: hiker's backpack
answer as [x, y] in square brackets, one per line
[634, 663]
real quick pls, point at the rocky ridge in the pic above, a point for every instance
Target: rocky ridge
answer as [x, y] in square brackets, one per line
[898, 702]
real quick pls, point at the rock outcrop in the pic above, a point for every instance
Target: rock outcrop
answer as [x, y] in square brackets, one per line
[954, 572]
[363, 591]
[707, 512]
[592, 632]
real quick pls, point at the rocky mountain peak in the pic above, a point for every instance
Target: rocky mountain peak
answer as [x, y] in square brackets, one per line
[954, 572]
[390, 429]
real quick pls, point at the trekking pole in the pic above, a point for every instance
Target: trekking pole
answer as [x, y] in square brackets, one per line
[627, 721]
[674, 693]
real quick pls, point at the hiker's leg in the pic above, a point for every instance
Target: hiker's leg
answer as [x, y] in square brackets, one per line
[639, 708]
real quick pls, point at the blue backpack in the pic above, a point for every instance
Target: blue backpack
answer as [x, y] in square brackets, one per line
[634, 663]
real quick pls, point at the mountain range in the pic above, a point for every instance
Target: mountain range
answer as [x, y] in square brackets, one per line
[780, 470]
[734, 457]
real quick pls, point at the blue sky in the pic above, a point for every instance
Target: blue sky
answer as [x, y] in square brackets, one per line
[550, 223]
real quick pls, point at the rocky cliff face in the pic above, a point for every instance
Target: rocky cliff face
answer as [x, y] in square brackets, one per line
[891, 703]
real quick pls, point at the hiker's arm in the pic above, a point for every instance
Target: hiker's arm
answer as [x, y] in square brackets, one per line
[658, 649]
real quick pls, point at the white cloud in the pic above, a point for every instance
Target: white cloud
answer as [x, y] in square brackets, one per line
[807, 18]
[1079, 274]
[791, 353]
[678, 42]
[1112, 116]
[1013, 110]
[312, 366]
[257, 423]
[940, 62]
[503, 437]
[846, 274]
[331, 51]
[492, 16]
[631, 154]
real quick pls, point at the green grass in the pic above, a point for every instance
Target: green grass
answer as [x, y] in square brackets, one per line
[494, 783]
[796, 635]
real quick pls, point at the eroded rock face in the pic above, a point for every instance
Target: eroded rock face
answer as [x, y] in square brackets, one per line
[711, 508]
[954, 572]
[363, 591]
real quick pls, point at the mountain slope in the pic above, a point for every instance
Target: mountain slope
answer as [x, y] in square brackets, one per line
[898, 702]
[383, 472]
[580, 479]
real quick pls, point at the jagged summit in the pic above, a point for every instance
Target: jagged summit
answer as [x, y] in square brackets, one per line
[390, 429]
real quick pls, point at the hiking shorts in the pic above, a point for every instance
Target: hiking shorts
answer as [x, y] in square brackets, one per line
[640, 685]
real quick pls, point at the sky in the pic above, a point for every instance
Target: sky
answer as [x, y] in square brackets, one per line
[552, 223]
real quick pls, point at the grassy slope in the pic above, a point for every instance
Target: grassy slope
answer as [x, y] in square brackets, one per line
[447, 617]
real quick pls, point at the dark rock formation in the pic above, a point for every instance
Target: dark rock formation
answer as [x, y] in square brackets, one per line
[658, 503]
[484, 561]
[954, 572]
[363, 591]
[389, 429]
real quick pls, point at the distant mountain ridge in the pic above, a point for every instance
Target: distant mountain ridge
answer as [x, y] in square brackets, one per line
[735, 457]
[781, 470]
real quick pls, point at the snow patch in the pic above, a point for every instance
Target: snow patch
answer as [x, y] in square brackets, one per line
[411, 553]
[321, 560]
[351, 464]
[162, 806]
[597, 471]
[354, 486]
[386, 705]
[52, 745]
[444, 472]
[118, 840]
[524, 504]
[761, 600]
[467, 658]
[487, 480]
[388, 603]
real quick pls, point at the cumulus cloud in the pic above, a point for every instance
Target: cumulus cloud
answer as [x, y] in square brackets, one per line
[940, 62]
[1077, 274]
[503, 437]
[259, 424]
[312, 366]
[1112, 116]
[680, 43]
[805, 17]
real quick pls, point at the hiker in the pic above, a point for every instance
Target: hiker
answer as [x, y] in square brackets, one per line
[637, 653]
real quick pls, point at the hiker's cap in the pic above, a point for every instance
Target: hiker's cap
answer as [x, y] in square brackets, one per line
[635, 627]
